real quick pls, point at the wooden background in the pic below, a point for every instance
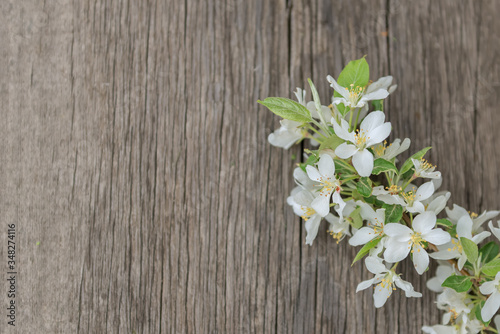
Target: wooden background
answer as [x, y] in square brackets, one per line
[135, 164]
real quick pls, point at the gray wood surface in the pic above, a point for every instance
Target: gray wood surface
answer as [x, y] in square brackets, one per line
[135, 162]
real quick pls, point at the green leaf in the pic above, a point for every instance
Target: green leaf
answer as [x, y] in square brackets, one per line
[381, 165]
[357, 221]
[489, 251]
[356, 73]
[311, 160]
[373, 200]
[331, 142]
[343, 167]
[458, 283]
[378, 105]
[491, 268]
[444, 222]
[470, 249]
[287, 109]
[364, 186]
[417, 156]
[366, 248]
[393, 213]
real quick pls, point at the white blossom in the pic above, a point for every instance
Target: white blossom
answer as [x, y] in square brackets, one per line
[355, 96]
[454, 249]
[495, 230]
[424, 169]
[372, 131]
[301, 200]
[477, 221]
[286, 135]
[328, 186]
[374, 228]
[391, 151]
[402, 239]
[386, 281]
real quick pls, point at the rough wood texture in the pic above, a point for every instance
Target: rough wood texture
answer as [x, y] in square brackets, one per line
[134, 152]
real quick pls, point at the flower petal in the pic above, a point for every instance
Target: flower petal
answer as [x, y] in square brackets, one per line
[326, 166]
[375, 265]
[424, 191]
[437, 237]
[321, 204]
[464, 227]
[312, 226]
[338, 88]
[491, 306]
[361, 237]
[363, 162]
[376, 95]
[424, 222]
[378, 134]
[396, 251]
[381, 294]
[345, 150]
[365, 284]
[372, 121]
[420, 259]
[488, 288]
[396, 230]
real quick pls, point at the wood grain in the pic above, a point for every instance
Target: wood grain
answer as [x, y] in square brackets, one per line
[134, 152]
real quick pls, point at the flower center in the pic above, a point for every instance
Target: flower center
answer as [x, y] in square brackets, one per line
[308, 212]
[409, 197]
[337, 236]
[360, 139]
[456, 246]
[416, 239]
[380, 148]
[394, 189]
[386, 283]
[355, 94]
[425, 166]
[328, 185]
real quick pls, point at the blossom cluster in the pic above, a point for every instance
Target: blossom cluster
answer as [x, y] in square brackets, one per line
[394, 210]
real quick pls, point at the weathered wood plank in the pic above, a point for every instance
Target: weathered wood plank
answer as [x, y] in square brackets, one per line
[135, 153]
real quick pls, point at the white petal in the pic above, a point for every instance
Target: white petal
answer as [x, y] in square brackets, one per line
[343, 131]
[380, 295]
[437, 237]
[345, 150]
[424, 191]
[397, 230]
[480, 237]
[424, 222]
[494, 230]
[313, 173]
[396, 251]
[338, 88]
[464, 227]
[383, 82]
[445, 254]
[378, 134]
[312, 226]
[363, 162]
[376, 95]
[372, 121]
[496, 320]
[420, 259]
[407, 288]
[434, 284]
[321, 204]
[375, 265]
[488, 288]
[438, 204]
[365, 284]
[326, 166]
[361, 237]
[457, 212]
[491, 306]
